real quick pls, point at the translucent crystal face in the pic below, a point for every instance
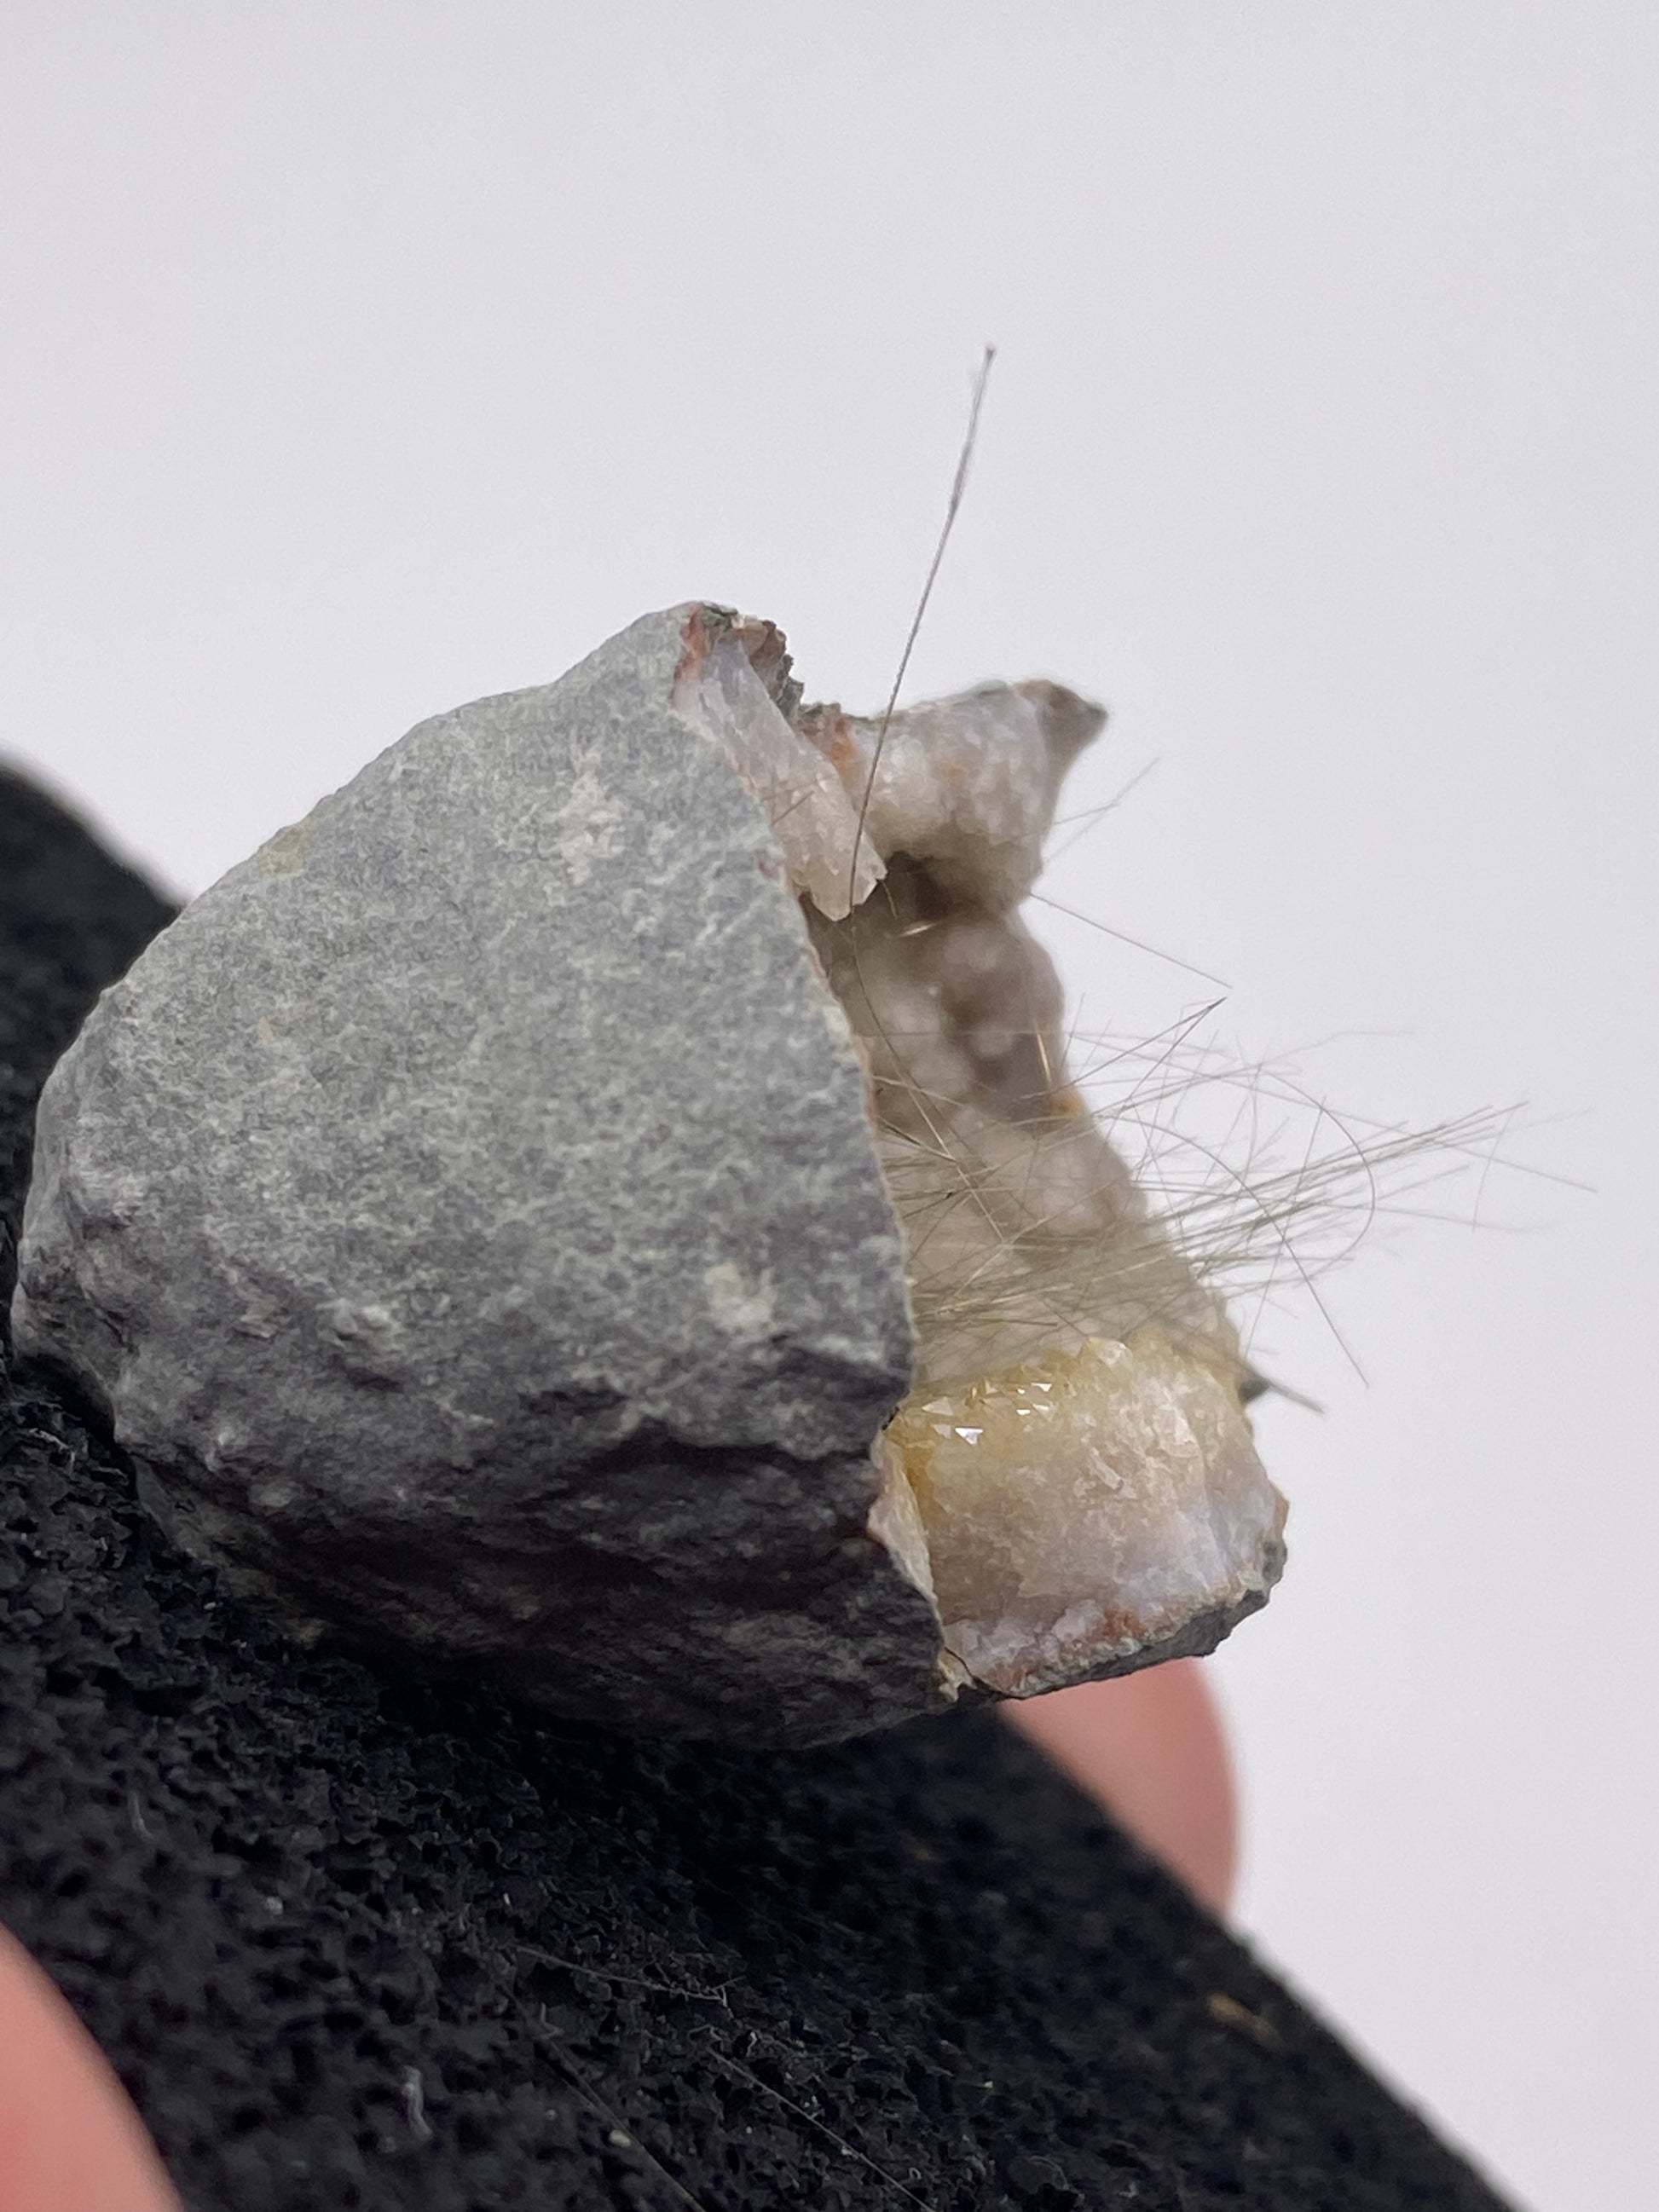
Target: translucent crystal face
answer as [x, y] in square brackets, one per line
[1082, 1506]
[728, 685]
[1073, 1475]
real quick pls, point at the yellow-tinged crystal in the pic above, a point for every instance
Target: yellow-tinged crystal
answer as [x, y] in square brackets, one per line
[1086, 1505]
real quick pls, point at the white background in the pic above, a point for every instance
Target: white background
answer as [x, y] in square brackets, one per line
[361, 358]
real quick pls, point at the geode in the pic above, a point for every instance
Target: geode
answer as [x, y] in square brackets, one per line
[602, 1198]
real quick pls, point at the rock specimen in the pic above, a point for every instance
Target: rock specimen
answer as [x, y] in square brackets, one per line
[602, 1197]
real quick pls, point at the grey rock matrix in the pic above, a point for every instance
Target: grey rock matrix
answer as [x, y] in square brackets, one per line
[468, 1208]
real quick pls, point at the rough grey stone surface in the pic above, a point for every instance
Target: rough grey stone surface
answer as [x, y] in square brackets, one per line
[468, 1211]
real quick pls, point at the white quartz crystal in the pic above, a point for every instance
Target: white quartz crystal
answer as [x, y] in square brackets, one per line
[1084, 1505]
[1074, 1458]
[722, 687]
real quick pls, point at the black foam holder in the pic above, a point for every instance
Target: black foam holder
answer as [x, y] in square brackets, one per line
[355, 1939]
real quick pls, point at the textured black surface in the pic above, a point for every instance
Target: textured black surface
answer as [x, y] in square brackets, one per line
[355, 1941]
[71, 921]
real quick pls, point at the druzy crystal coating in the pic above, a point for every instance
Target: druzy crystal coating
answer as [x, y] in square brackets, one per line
[1073, 1463]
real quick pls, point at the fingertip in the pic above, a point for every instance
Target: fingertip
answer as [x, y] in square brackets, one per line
[70, 2138]
[1151, 1748]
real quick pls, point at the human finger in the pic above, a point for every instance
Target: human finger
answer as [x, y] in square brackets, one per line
[1151, 1748]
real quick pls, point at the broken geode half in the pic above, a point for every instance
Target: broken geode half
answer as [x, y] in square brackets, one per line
[585, 1201]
